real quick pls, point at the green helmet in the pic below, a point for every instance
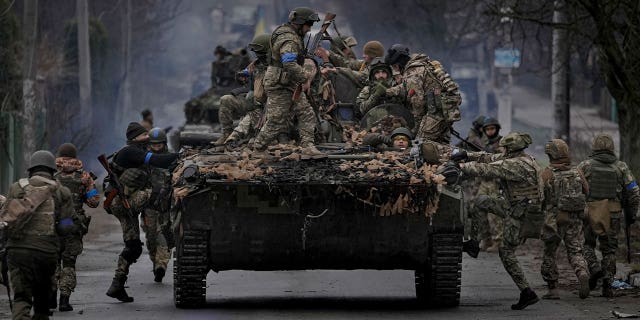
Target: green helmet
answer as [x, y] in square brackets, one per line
[378, 64]
[261, 44]
[43, 158]
[603, 142]
[557, 149]
[515, 141]
[401, 131]
[303, 15]
[478, 122]
[157, 135]
[490, 121]
[341, 41]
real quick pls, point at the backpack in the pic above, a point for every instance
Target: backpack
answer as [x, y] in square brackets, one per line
[448, 101]
[567, 185]
[17, 213]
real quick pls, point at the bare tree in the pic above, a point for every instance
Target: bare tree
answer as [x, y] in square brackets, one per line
[30, 108]
[84, 64]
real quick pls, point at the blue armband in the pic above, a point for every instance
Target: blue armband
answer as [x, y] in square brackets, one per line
[66, 222]
[148, 157]
[289, 57]
[91, 193]
[632, 185]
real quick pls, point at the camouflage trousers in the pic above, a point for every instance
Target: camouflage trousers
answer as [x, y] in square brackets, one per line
[247, 126]
[608, 247]
[431, 128]
[278, 111]
[230, 107]
[567, 229]
[130, 229]
[30, 274]
[485, 225]
[159, 252]
[64, 278]
[513, 223]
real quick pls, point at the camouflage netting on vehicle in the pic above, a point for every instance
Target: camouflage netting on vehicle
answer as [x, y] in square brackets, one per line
[391, 181]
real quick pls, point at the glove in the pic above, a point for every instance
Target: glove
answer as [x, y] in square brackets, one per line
[459, 155]
[451, 172]
[379, 90]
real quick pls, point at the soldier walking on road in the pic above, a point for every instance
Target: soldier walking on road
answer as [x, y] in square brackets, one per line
[131, 164]
[565, 188]
[33, 248]
[72, 175]
[612, 188]
[519, 176]
[284, 74]
[156, 215]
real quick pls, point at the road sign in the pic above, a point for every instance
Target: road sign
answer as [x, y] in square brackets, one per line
[506, 58]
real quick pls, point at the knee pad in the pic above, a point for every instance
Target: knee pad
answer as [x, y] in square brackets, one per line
[132, 250]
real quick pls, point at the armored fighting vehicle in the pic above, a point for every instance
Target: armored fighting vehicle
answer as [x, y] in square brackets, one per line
[349, 210]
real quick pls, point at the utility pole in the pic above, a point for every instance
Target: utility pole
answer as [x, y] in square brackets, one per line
[560, 76]
[30, 108]
[84, 64]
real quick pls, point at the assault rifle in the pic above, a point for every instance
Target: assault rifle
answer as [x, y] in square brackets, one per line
[473, 146]
[117, 189]
[313, 45]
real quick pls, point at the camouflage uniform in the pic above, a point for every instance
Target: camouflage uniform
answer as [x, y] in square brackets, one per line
[283, 75]
[563, 222]
[421, 78]
[254, 106]
[155, 217]
[610, 181]
[519, 175]
[231, 106]
[32, 252]
[72, 175]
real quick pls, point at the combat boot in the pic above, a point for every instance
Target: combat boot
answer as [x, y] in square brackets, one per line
[527, 298]
[64, 303]
[553, 293]
[158, 274]
[583, 281]
[607, 291]
[593, 280]
[53, 299]
[116, 290]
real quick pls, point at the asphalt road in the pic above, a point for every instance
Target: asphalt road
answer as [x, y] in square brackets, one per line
[487, 291]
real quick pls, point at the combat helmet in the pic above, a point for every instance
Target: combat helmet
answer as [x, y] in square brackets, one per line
[478, 122]
[379, 64]
[261, 44]
[303, 15]
[603, 142]
[42, 158]
[397, 54]
[68, 150]
[342, 41]
[515, 141]
[402, 131]
[157, 135]
[558, 151]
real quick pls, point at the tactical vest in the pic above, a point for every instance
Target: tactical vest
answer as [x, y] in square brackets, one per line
[43, 220]
[276, 59]
[447, 103]
[567, 190]
[529, 190]
[603, 181]
[74, 183]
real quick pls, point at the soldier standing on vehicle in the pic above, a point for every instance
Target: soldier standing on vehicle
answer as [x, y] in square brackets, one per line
[375, 93]
[283, 76]
[519, 176]
[156, 215]
[241, 103]
[432, 94]
[72, 175]
[131, 164]
[612, 188]
[565, 188]
[33, 248]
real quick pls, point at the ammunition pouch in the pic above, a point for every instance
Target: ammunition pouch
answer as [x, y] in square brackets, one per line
[600, 215]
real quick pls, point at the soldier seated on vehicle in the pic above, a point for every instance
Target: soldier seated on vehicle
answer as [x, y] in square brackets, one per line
[358, 69]
[375, 93]
[399, 140]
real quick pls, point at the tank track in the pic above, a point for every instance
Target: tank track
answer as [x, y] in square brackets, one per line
[438, 282]
[190, 268]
